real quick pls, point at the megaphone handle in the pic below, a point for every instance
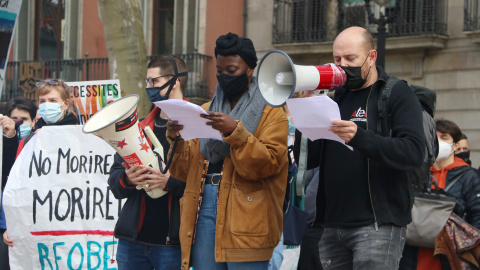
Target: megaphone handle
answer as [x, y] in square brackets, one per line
[158, 146]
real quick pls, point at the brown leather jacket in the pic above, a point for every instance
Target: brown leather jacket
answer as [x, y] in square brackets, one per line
[249, 216]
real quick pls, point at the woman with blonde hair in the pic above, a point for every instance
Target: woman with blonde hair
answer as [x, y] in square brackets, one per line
[54, 107]
[53, 99]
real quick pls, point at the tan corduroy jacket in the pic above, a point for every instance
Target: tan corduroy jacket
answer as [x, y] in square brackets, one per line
[250, 199]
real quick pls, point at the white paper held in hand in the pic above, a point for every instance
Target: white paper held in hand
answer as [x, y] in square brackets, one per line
[312, 116]
[188, 115]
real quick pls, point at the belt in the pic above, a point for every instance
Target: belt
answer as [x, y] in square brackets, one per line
[213, 178]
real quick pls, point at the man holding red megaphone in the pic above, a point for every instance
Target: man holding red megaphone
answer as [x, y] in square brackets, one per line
[364, 198]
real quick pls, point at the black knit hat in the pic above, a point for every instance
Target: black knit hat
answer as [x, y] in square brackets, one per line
[232, 44]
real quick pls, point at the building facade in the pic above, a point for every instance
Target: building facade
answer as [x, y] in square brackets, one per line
[65, 39]
[432, 43]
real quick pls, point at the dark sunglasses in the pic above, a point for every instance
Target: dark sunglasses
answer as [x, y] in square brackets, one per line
[151, 81]
[51, 82]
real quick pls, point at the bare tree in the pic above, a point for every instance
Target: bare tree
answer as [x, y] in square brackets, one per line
[127, 55]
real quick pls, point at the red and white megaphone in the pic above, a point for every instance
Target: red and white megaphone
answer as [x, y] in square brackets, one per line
[278, 78]
[117, 124]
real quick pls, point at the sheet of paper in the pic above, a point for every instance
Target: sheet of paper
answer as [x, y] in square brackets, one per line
[312, 116]
[188, 115]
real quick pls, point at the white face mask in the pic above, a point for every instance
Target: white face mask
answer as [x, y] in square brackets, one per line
[444, 150]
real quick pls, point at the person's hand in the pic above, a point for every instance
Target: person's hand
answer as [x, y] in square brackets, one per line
[344, 129]
[7, 240]
[8, 126]
[155, 179]
[221, 122]
[174, 128]
[136, 174]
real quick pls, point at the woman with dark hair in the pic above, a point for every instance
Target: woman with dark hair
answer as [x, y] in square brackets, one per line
[22, 111]
[231, 211]
[465, 186]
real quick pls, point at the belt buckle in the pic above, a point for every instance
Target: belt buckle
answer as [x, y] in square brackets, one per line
[215, 179]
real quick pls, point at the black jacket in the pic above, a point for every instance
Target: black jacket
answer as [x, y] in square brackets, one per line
[467, 191]
[69, 119]
[10, 146]
[133, 212]
[389, 159]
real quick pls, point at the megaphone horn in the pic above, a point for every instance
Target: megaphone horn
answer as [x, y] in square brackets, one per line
[278, 78]
[117, 124]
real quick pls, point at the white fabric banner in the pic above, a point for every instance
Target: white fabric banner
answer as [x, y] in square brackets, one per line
[60, 212]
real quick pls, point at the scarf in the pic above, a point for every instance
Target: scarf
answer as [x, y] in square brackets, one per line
[248, 110]
[441, 174]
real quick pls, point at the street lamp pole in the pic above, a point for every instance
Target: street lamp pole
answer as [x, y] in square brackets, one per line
[382, 21]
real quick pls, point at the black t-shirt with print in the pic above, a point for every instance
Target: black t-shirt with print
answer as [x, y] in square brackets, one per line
[346, 172]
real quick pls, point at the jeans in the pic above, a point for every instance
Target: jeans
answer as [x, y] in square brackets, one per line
[203, 251]
[277, 256]
[135, 255]
[362, 247]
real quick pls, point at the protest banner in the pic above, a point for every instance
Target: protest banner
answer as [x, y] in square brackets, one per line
[8, 17]
[59, 209]
[89, 97]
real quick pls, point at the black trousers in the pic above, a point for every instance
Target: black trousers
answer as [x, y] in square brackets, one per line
[309, 250]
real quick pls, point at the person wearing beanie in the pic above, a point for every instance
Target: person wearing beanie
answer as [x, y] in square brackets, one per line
[231, 211]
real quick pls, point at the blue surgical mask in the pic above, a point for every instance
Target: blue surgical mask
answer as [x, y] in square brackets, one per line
[50, 112]
[154, 94]
[24, 130]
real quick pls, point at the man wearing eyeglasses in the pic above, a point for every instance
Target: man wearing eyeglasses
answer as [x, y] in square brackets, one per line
[148, 228]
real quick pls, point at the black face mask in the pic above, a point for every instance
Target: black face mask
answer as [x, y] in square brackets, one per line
[354, 76]
[153, 93]
[464, 155]
[232, 86]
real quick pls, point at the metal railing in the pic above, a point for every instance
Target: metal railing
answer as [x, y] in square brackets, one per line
[300, 21]
[471, 21]
[21, 76]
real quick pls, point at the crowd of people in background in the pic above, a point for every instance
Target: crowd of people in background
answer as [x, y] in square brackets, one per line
[224, 209]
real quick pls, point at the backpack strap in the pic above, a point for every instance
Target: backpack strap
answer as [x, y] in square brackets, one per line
[453, 181]
[384, 118]
[302, 167]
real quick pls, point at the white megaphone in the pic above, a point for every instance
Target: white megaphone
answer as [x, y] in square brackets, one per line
[117, 124]
[278, 78]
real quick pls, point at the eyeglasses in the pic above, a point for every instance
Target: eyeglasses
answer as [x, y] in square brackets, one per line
[151, 81]
[51, 82]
